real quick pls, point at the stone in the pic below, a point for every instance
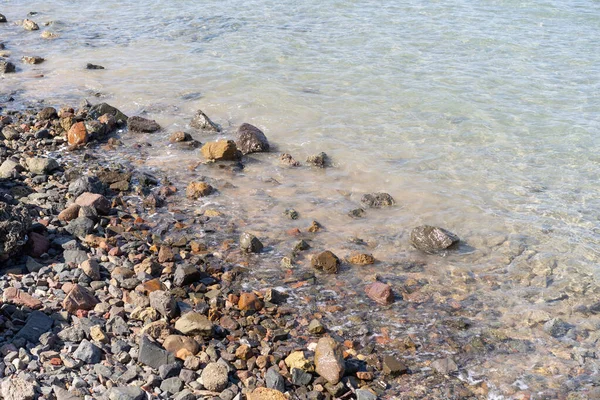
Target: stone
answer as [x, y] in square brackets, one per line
[185, 394]
[93, 66]
[20, 298]
[9, 169]
[274, 380]
[79, 298]
[40, 165]
[329, 361]
[181, 346]
[164, 303]
[326, 261]
[2, 18]
[201, 121]
[275, 296]
[159, 330]
[152, 354]
[103, 108]
[262, 393]
[215, 377]
[444, 366]
[364, 394]
[15, 388]
[297, 359]
[361, 259]
[126, 393]
[377, 200]
[7, 67]
[244, 352]
[316, 327]
[249, 301]
[37, 324]
[196, 190]
[193, 323]
[88, 352]
[91, 268]
[32, 265]
[10, 133]
[300, 378]
[74, 256]
[251, 139]
[186, 274]
[179, 136]
[165, 254]
[380, 293]
[15, 221]
[37, 244]
[86, 184]
[64, 394]
[32, 59]
[222, 150]
[357, 213]
[250, 243]
[30, 25]
[47, 113]
[287, 159]
[319, 160]
[48, 35]
[98, 335]
[99, 202]
[139, 124]
[80, 226]
[392, 366]
[171, 385]
[430, 239]
[556, 327]
[77, 135]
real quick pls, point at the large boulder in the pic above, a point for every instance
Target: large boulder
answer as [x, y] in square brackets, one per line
[431, 239]
[251, 139]
[14, 223]
[201, 121]
[329, 360]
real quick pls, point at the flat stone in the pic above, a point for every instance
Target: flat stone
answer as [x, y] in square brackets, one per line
[393, 366]
[88, 352]
[329, 361]
[193, 323]
[99, 202]
[380, 293]
[37, 324]
[75, 256]
[9, 168]
[139, 124]
[251, 139]
[41, 165]
[20, 298]
[274, 380]
[444, 366]
[152, 354]
[79, 298]
[215, 377]
[171, 385]
[300, 378]
[326, 261]
[431, 239]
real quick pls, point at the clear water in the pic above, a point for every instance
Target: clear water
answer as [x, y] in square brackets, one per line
[481, 117]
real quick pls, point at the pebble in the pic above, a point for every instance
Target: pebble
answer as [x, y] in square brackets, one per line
[329, 361]
[215, 377]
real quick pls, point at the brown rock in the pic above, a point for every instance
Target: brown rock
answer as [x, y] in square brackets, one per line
[38, 244]
[140, 124]
[198, 189]
[148, 266]
[20, 298]
[158, 330]
[361, 259]
[91, 268]
[180, 137]
[222, 150]
[165, 254]
[244, 352]
[78, 135]
[250, 301]
[181, 346]
[69, 213]
[329, 361]
[380, 293]
[32, 59]
[263, 393]
[326, 261]
[152, 285]
[79, 298]
[99, 202]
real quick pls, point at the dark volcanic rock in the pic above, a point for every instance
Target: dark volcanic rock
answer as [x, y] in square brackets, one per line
[6, 67]
[377, 200]
[88, 352]
[86, 184]
[14, 223]
[274, 380]
[93, 66]
[2, 18]
[431, 239]
[251, 140]
[201, 121]
[37, 324]
[186, 274]
[139, 124]
[152, 354]
[250, 243]
[326, 261]
[103, 108]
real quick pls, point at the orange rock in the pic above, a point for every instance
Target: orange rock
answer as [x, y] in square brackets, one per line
[262, 393]
[250, 301]
[361, 259]
[152, 286]
[244, 352]
[18, 297]
[77, 135]
[198, 189]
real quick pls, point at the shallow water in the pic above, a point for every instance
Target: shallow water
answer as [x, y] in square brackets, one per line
[480, 118]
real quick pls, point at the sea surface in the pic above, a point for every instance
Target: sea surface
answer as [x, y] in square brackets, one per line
[482, 117]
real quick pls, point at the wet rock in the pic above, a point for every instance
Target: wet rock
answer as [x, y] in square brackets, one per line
[319, 160]
[291, 214]
[6, 67]
[37, 324]
[556, 327]
[250, 301]
[30, 25]
[364, 394]
[361, 259]
[326, 261]
[139, 124]
[251, 139]
[77, 135]
[99, 202]
[357, 213]
[181, 346]
[300, 378]
[14, 224]
[152, 354]
[329, 361]
[392, 366]
[2, 18]
[444, 366]
[222, 150]
[430, 239]
[262, 393]
[48, 35]
[93, 66]
[380, 293]
[104, 108]
[164, 303]
[377, 200]
[316, 327]
[180, 137]
[196, 190]
[275, 296]
[250, 243]
[186, 274]
[287, 159]
[193, 323]
[126, 393]
[32, 59]
[88, 352]
[91, 268]
[201, 121]
[15, 388]
[215, 377]
[79, 298]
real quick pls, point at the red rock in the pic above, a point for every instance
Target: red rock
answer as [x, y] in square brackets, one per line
[79, 298]
[152, 286]
[99, 202]
[250, 301]
[20, 298]
[77, 135]
[380, 293]
[115, 251]
[56, 361]
[38, 244]
[69, 213]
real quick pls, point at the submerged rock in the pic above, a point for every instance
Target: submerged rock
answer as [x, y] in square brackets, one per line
[93, 66]
[32, 59]
[30, 25]
[201, 121]
[380, 293]
[196, 190]
[139, 124]
[318, 160]
[377, 200]
[431, 239]
[287, 159]
[250, 243]
[6, 67]
[326, 261]
[180, 136]
[329, 361]
[251, 139]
